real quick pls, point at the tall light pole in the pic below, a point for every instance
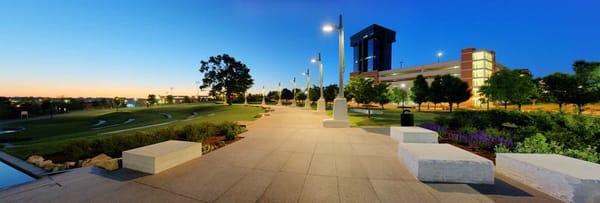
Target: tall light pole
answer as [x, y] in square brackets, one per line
[307, 100]
[263, 96]
[321, 102]
[294, 92]
[439, 55]
[340, 106]
[279, 90]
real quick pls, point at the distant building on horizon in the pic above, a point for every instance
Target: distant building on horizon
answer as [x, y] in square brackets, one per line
[475, 66]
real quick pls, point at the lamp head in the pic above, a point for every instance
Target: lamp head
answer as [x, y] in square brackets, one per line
[328, 28]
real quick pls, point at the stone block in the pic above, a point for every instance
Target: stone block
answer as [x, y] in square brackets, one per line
[161, 156]
[413, 135]
[445, 163]
[565, 178]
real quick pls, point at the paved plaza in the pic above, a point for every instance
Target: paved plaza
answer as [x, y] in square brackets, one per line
[285, 157]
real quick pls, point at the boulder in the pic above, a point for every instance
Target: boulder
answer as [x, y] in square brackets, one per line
[97, 159]
[36, 160]
[103, 161]
[109, 165]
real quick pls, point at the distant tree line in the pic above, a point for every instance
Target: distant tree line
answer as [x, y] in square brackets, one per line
[580, 88]
[443, 89]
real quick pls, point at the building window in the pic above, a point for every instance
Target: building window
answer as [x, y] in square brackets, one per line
[478, 82]
[370, 47]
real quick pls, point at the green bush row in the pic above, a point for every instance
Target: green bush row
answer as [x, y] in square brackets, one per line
[114, 145]
[570, 131]
[539, 144]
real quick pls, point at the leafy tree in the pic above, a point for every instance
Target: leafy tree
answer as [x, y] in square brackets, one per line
[118, 102]
[420, 91]
[587, 75]
[397, 96]
[151, 99]
[436, 91]
[347, 94]
[6, 109]
[170, 99]
[315, 93]
[272, 96]
[508, 86]
[48, 107]
[301, 96]
[457, 91]
[287, 94]
[330, 92]
[363, 91]
[381, 94]
[224, 74]
[559, 86]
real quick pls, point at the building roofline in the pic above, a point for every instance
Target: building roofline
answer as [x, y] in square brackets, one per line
[417, 67]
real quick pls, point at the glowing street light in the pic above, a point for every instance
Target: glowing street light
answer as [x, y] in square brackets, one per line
[439, 55]
[340, 106]
[307, 100]
[321, 102]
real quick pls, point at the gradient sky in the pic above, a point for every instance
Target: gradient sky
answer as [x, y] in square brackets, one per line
[132, 48]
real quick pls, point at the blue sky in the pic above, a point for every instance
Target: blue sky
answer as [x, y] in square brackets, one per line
[134, 48]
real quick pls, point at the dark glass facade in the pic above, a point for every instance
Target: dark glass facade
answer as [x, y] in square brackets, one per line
[373, 49]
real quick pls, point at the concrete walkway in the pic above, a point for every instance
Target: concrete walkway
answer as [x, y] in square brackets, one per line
[285, 157]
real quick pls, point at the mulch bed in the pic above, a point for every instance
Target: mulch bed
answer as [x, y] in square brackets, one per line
[483, 153]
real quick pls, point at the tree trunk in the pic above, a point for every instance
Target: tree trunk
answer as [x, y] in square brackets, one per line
[450, 104]
[419, 107]
[488, 105]
[560, 109]
[579, 109]
[519, 105]
[369, 111]
[505, 105]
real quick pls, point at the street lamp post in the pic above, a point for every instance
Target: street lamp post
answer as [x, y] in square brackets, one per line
[294, 92]
[307, 100]
[340, 106]
[279, 90]
[263, 96]
[321, 102]
[439, 55]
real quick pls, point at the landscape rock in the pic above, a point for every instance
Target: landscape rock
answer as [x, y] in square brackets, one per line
[103, 161]
[36, 160]
[97, 159]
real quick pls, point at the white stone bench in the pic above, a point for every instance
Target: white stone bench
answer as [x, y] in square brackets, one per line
[161, 156]
[445, 163]
[413, 135]
[566, 178]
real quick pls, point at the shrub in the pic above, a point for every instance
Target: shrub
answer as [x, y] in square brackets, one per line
[538, 144]
[114, 145]
[501, 149]
[468, 130]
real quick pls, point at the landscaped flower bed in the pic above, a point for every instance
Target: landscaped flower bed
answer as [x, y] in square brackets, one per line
[486, 132]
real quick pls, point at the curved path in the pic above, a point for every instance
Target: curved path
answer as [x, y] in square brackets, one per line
[285, 157]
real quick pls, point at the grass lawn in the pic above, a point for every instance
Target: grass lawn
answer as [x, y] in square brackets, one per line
[49, 134]
[391, 117]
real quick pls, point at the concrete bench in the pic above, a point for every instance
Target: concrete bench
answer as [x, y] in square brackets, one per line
[413, 135]
[445, 163]
[566, 178]
[161, 156]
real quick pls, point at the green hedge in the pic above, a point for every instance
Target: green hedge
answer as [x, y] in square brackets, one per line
[572, 135]
[114, 145]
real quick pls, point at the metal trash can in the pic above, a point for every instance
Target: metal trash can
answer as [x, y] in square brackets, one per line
[407, 118]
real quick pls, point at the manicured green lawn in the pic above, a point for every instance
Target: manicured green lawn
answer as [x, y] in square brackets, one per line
[48, 134]
[391, 117]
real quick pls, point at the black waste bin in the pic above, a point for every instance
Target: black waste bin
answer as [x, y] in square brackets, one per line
[407, 118]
